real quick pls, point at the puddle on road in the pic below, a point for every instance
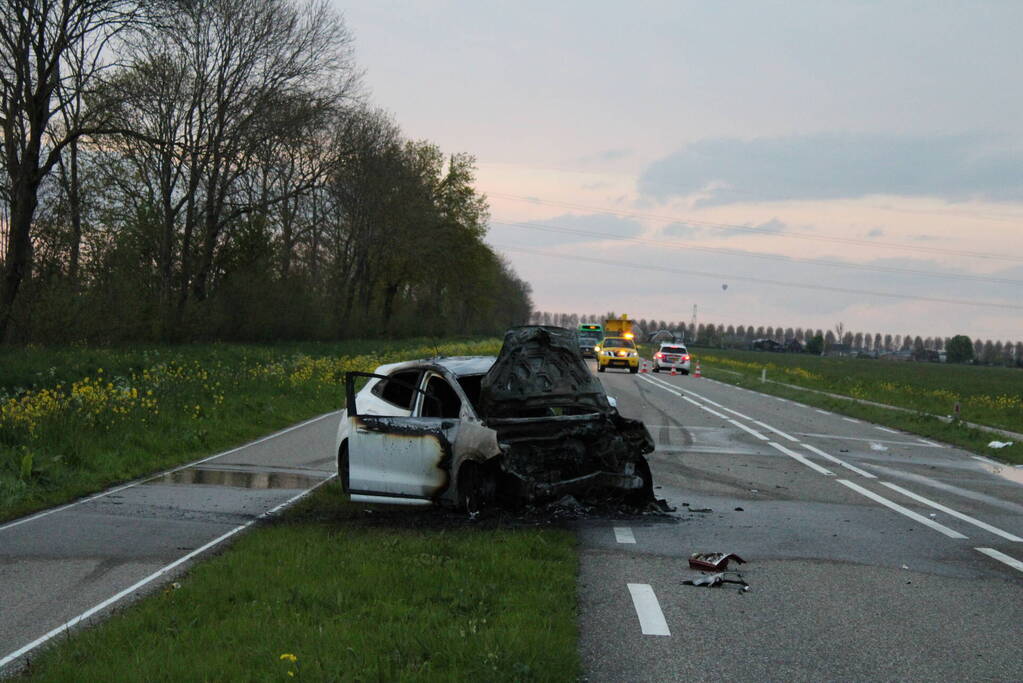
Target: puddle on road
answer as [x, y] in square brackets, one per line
[205, 476]
[1009, 472]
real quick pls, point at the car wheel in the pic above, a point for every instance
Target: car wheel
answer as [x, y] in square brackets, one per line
[657, 368]
[685, 372]
[633, 370]
[600, 368]
[342, 466]
[476, 488]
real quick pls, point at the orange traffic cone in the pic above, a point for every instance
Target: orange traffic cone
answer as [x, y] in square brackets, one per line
[697, 373]
[673, 370]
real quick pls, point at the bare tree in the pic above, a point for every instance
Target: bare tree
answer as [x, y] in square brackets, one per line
[51, 51]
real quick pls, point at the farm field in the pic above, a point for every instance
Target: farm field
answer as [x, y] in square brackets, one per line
[332, 592]
[987, 395]
[74, 421]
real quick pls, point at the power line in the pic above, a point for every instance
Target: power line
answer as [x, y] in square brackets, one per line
[757, 231]
[760, 255]
[764, 281]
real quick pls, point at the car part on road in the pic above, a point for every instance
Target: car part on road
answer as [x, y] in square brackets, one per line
[713, 561]
[719, 579]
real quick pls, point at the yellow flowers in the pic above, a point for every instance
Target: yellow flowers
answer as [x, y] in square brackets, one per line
[289, 657]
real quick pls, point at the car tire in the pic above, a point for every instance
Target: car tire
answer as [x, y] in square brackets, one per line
[633, 370]
[342, 466]
[600, 368]
[476, 488]
[657, 369]
[684, 372]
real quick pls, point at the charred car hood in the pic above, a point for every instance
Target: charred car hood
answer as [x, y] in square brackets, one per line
[540, 372]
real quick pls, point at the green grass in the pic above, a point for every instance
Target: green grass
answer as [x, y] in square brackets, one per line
[988, 396]
[382, 596]
[74, 421]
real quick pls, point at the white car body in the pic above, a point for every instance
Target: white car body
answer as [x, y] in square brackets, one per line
[672, 355]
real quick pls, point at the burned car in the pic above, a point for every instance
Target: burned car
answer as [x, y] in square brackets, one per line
[531, 425]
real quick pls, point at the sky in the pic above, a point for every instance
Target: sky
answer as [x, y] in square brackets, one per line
[795, 164]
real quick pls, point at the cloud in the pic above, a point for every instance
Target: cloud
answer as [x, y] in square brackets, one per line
[838, 166]
[563, 229]
[688, 231]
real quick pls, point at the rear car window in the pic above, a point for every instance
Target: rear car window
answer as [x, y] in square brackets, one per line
[673, 349]
[398, 392]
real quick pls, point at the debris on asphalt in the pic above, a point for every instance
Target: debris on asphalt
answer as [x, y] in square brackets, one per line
[999, 444]
[874, 446]
[719, 579]
[701, 510]
[713, 561]
[739, 510]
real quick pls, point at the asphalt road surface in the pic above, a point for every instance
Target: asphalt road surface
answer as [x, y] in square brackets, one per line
[871, 554]
[73, 564]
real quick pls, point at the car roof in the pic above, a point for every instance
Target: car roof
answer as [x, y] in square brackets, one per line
[458, 366]
[663, 344]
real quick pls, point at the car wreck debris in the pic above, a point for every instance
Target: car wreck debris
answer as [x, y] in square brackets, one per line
[713, 561]
[719, 579]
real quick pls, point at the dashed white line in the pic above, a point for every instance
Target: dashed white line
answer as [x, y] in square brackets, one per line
[849, 419]
[799, 457]
[66, 626]
[843, 463]
[1002, 557]
[930, 443]
[822, 412]
[651, 618]
[776, 431]
[623, 534]
[954, 513]
[951, 533]
[885, 429]
[750, 430]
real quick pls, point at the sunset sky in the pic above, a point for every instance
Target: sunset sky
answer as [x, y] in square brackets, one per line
[822, 160]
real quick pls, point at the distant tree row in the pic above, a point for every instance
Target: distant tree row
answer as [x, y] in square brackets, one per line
[210, 169]
[959, 348]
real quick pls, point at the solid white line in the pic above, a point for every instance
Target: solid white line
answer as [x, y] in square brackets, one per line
[736, 412]
[885, 429]
[930, 443]
[801, 459]
[44, 513]
[776, 431]
[660, 386]
[1002, 557]
[750, 430]
[651, 618]
[849, 419]
[623, 534]
[951, 533]
[955, 513]
[822, 412]
[63, 628]
[856, 438]
[843, 463]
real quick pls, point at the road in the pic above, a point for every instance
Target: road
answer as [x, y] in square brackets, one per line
[871, 554]
[75, 563]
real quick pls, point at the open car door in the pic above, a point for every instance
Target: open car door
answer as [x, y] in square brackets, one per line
[400, 456]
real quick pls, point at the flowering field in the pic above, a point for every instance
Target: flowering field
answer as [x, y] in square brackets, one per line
[986, 395]
[73, 421]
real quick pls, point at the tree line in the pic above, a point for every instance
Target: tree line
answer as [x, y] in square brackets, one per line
[212, 169]
[959, 348]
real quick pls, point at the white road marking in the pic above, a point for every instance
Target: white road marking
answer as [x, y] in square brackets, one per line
[843, 463]
[736, 412]
[776, 431]
[623, 534]
[822, 412]
[651, 618]
[856, 438]
[801, 459]
[750, 430]
[951, 533]
[1002, 557]
[66, 626]
[44, 513]
[930, 443]
[885, 429]
[849, 419]
[660, 385]
[954, 513]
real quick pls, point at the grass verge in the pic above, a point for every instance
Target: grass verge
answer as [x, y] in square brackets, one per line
[74, 421]
[351, 594]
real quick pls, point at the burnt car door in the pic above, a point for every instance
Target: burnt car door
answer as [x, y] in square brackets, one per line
[404, 456]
